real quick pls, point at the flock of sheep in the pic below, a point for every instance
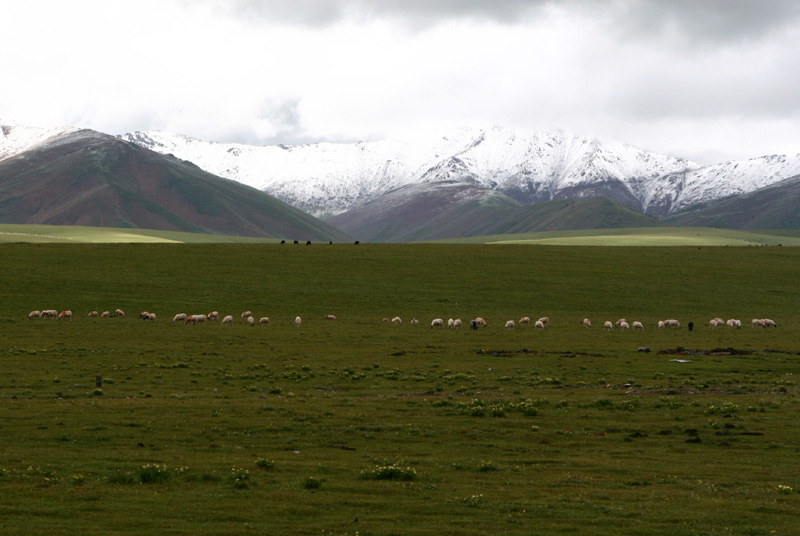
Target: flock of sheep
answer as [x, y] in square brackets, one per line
[542, 323]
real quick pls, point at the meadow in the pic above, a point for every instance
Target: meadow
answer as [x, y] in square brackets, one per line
[360, 426]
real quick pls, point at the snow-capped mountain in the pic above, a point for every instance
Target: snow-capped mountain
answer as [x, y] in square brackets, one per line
[530, 166]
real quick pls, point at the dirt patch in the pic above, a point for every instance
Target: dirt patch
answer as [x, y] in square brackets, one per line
[715, 351]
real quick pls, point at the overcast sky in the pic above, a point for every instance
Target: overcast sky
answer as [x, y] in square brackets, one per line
[709, 80]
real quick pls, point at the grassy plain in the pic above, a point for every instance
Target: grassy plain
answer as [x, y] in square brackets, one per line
[358, 426]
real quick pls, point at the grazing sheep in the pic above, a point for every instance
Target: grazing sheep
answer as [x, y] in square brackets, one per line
[263, 321]
[714, 323]
[450, 323]
[608, 326]
[620, 321]
[538, 324]
[105, 314]
[65, 315]
[545, 320]
[213, 315]
[437, 322]
[148, 316]
[672, 323]
[457, 323]
[49, 313]
[480, 321]
[245, 314]
[661, 324]
[180, 317]
[637, 325]
[385, 320]
[414, 321]
[92, 314]
[227, 320]
[251, 320]
[509, 325]
[120, 312]
[473, 324]
[769, 323]
[758, 323]
[524, 320]
[34, 314]
[587, 323]
[297, 321]
[330, 317]
[624, 325]
[397, 320]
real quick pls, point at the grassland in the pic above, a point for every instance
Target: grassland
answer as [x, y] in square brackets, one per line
[358, 426]
[76, 234]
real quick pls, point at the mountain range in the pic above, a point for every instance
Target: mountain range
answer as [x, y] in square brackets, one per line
[465, 182]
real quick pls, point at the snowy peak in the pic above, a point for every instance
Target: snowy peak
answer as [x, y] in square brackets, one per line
[527, 165]
[15, 139]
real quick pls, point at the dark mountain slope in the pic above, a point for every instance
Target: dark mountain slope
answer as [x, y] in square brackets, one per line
[776, 206]
[89, 178]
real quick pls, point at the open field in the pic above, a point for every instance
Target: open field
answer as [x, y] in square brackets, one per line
[358, 426]
[72, 234]
[645, 236]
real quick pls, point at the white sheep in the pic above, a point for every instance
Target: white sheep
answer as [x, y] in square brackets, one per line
[264, 321]
[437, 322]
[637, 325]
[608, 326]
[330, 317]
[587, 323]
[228, 319]
[92, 314]
[397, 320]
[180, 317]
[34, 314]
[524, 320]
[65, 315]
[251, 320]
[509, 325]
[480, 322]
[624, 325]
[661, 324]
[105, 314]
[213, 315]
[245, 314]
[538, 324]
[545, 320]
[298, 321]
[414, 321]
[450, 323]
[119, 312]
[457, 323]
[769, 323]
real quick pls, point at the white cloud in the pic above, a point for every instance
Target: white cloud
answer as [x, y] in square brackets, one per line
[709, 81]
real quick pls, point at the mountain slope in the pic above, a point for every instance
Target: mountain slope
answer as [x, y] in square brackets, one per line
[529, 166]
[773, 207]
[83, 177]
[451, 209]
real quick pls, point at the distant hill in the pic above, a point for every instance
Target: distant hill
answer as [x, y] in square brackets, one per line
[450, 209]
[776, 206]
[83, 177]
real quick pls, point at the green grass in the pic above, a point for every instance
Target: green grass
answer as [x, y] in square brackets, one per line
[14, 233]
[361, 426]
[646, 236]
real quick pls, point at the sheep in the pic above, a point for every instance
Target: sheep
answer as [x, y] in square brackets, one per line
[245, 314]
[473, 324]
[251, 320]
[200, 319]
[227, 320]
[545, 320]
[624, 325]
[120, 312]
[437, 322]
[105, 314]
[397, 320]
[637, 325]
[524, 320]
[538, 324]
[661, 324]
[385, 320]
[213, 315]
[620, 321]
[65, 315]
[769, 323]
[450, 323]
[34, 314]
[149, 316]
[608, 326]
[180, 317]
[714, 323]
[49, 313]
[480, 321]
[92, 314]
[672, 323]
[414, 321]
[587, 323]
[330, 317]
[297, 321]
[263, 321]
[457, 323]
[509, 325]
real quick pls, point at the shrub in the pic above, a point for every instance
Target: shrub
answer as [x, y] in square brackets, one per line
[392, 471]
